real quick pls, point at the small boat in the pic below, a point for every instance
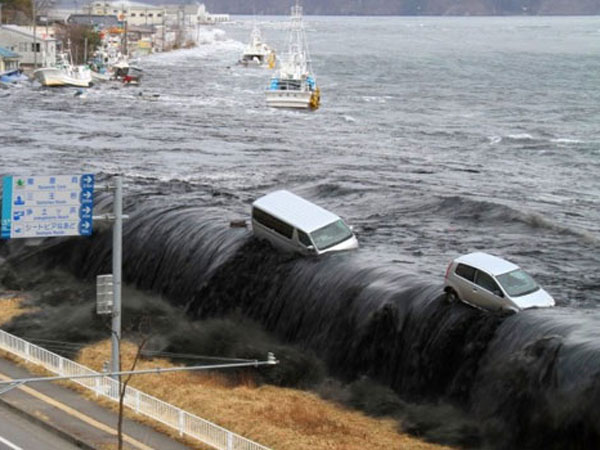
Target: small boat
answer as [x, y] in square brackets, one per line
[101, 75]
[294, 86]
[64, 73]
[134, 75]
[257, 53]
[126, 73]
[100, 70]
[13, 76]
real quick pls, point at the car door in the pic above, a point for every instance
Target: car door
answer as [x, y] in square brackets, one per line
[464, 282]
[487, 293]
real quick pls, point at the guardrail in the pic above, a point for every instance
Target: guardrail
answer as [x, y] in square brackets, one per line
[185, 423]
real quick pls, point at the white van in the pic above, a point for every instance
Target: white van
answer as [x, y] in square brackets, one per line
[291, 223]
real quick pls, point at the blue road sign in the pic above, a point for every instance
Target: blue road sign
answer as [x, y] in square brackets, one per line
[43, 206]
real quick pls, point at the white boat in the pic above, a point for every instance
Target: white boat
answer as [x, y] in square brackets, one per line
[101, 76]
[257, 53]
[64, 73]
[294, 85]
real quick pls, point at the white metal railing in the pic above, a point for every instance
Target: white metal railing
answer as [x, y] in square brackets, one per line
[185, 423]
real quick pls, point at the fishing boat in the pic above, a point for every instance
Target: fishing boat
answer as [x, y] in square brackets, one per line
[257, 53]
[294, 85]
[64, 73]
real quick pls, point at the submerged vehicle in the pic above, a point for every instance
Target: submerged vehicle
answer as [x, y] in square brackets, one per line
[295, 85]
[294, 224]
[492, 283]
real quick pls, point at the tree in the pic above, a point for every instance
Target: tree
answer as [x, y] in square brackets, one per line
[75, 36]
[16, 11]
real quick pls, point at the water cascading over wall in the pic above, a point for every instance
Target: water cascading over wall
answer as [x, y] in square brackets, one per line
[532, 379]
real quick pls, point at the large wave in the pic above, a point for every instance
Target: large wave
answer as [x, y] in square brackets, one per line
[529, 380]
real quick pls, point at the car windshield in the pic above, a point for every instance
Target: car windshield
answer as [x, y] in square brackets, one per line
[331, 234]
[517, 283]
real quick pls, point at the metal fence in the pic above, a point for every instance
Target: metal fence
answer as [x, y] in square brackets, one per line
[185, 423]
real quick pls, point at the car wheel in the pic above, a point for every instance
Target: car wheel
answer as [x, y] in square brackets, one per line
[451, 296]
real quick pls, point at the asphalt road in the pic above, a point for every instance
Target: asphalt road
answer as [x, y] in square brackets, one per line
[18, 432]
[69, 415]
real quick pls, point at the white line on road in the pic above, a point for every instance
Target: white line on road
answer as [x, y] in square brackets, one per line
[9, 444]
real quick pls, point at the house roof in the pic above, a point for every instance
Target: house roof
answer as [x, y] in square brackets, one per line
[24, 31]
[91, 19]
[6, 53]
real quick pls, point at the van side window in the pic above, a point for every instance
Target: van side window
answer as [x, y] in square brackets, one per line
[304, 239]
[486, 282]
[273, 223]
[467, 272]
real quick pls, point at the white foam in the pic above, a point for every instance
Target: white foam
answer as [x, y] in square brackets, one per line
[209, 42]
[566, 141]
[521, 137]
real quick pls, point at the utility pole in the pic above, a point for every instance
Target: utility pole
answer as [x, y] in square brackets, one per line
[34, 35]
[117, 258]
[163, 29]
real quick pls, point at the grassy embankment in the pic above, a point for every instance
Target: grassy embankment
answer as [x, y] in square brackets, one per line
[277, 417]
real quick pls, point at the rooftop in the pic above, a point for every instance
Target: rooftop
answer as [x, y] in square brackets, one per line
[295, 210]
[27, 31]
[6, 53]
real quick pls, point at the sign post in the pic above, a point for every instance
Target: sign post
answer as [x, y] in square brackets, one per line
[52, 206]
[45, 206]
[104, 294]
[117, 258]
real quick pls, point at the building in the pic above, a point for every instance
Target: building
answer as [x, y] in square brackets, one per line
[9, 60]
[40, 48]
[140, 14]
[140, 40]
[99, 22]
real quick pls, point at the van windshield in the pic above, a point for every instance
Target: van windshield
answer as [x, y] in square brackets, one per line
[517, 283]
[331, 234]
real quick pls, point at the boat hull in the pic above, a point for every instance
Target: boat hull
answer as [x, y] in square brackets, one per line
[55, 77]
[289, 99]
[97, 76]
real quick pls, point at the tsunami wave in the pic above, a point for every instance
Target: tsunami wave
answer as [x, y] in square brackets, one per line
[528, 380]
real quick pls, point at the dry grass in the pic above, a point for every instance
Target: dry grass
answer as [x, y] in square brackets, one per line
[11, 307]
[277, 417]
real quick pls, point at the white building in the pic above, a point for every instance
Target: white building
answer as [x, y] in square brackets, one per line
[134, 13]
[21, 40]
[9, 60]
[190, 15]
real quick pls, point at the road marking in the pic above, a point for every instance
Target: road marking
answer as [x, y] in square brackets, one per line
[78, 415]
[9, 444]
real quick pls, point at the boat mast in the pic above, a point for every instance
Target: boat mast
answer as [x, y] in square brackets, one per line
[297, 44]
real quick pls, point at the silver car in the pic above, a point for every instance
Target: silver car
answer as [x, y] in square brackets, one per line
[492, 283]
